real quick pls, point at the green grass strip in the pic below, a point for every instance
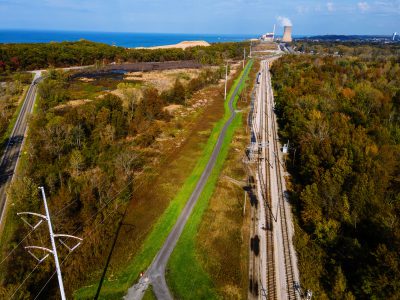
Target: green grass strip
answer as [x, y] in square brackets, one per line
[161, 229]
[149, 295]
[186, 277]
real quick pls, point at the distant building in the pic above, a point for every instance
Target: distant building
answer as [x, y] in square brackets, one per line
[268, 37]
[287, 34]
[394, 36]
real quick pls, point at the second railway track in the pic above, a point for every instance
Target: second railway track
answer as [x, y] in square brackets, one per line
[281, 204]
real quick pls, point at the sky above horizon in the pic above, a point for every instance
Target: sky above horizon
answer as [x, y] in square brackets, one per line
[309, 17]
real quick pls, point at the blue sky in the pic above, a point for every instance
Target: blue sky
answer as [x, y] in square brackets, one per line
[203, 16]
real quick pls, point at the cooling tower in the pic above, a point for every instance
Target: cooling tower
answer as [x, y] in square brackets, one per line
[287, 34]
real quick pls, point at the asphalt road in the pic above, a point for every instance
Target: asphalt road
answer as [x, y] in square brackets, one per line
[9, 160]
[156, 272]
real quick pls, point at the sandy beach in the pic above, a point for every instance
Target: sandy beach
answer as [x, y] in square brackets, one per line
[181, 45]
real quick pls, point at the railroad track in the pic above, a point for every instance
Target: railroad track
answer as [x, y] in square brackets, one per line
[271, 284]
[282, 211]
[264, 129]
[269, 220]
[254, 271]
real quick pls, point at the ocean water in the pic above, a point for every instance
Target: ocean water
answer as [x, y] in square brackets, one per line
[111, 38]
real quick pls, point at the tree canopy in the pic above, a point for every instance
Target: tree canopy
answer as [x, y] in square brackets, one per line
[342, 117]
[39, 56]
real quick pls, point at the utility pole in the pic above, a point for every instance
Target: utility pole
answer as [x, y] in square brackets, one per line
[226, 79]
[52, 240]
[244, 56]
[53, 245]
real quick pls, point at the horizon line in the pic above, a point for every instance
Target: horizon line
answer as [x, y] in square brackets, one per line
[182, 33]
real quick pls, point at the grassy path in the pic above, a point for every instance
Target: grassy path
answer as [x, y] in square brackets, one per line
[153, 243]
[186, 277]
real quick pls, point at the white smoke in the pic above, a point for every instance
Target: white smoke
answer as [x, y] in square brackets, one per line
[363, 6]
[284, 21]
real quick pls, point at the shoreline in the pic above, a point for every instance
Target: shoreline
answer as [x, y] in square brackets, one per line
[181, 45]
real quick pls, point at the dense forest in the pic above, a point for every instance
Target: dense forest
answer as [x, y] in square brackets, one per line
[88, 158]
[360, 49]
[40, 56]
[342, 117]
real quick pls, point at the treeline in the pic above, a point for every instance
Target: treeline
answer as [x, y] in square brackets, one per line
[87, 157]
[342, 117]
[38, 56]
[362, 51]
[180, 93]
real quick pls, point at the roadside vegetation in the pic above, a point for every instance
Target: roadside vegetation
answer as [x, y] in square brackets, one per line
[11, 91]
[342, 117]
[93, 158]
[186, 276]
[41, 56]
[149, 294]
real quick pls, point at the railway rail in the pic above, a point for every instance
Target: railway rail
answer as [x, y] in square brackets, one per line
[267, 201]
[281, 202]
[259, 144]
[277, 273]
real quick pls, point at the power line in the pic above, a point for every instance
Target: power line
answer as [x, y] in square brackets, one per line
[25, 280]
[26, 236]
[11, 252]
[47, 282]
[58, 213]
[53, 237]
[86, 236]
[51, 277]
[80, 227]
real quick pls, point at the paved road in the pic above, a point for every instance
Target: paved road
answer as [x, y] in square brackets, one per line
[156, 272]
[9, 160]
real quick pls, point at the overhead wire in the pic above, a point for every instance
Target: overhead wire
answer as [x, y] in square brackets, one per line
[26, 278]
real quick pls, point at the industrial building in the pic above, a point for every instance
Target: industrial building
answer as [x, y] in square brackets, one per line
[268, 37]
[287, 34]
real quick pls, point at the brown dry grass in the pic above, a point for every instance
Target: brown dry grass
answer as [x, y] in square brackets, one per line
[72, 103]
[173, 157]
[163, 80]
[161, 182]
[223, 238]
[265, 46]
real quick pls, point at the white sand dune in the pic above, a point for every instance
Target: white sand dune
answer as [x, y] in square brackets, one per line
[181, 45]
